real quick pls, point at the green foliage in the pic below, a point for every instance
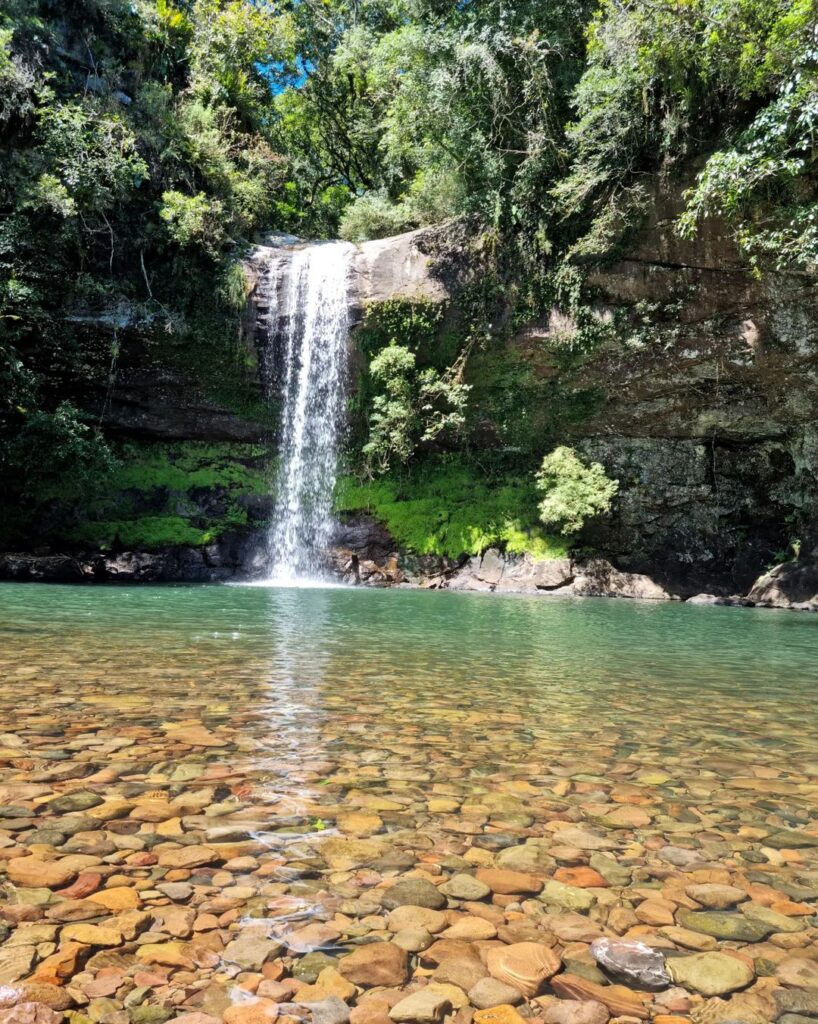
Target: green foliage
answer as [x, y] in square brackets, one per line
[55, 453]
[193, 220]
[448, 507]
[88, 156]
[145, 533]
[661, 82]
[146, 496]
[412, 322]
[407, 404]
[574, 492]
[758, 185]
[182, 468]
[162, 495]
[373, 215]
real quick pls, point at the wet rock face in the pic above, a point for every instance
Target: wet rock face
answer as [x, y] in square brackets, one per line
[710, 404]
[233, 556]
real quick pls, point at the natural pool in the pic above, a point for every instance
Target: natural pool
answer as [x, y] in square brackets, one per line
[209, 796]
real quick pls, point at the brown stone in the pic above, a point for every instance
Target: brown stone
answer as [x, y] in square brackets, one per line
[257, 1011]
[581, 877]
[503, 1014]
[61, 965]
[507, 883]
[86, 883]
[525, 966]
[381, 964]
[620, 1001]
[329, 983]
[92, 934]
[171, 954]
[33, 872]
[75, 910]
[116, 899]
[188, 857]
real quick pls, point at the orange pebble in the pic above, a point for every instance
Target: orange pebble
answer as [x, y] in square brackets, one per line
[582, 877]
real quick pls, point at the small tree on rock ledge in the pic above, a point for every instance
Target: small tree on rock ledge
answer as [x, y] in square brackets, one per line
[574, 491]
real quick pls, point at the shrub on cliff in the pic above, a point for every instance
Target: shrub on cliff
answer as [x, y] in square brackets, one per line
[574, 491]
[415, 407]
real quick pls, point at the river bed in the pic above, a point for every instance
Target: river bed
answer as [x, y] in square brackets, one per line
[243, 803]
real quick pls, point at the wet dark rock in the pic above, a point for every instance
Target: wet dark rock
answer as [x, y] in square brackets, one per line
[329, 1011]
[80, 801]
[801, 1001]
[310, 966]
[47, 836]
[724, 925]
[496, 841]
[13, 811]
[414, 892]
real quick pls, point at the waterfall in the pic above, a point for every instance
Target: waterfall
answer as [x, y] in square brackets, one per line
[313, 376]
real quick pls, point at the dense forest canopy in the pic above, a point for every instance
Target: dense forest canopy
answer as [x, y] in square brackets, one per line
[143, 144]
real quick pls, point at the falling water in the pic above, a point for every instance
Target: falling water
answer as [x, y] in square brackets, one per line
[313, 389]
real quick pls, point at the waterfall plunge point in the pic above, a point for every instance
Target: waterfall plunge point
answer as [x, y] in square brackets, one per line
[314, 392]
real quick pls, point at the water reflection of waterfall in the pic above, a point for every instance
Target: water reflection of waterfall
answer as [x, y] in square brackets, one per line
[314, 370]
[300, 663]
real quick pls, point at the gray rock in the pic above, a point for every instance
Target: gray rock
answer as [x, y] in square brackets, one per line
[176, 891]
[614, 874]
[251, 949]
[310, 966]
[80, 801]
[793, 1000]
[329, 1011]
[530, 858]
[70, 824]
[492, 566]
[631, 961]
[14, 810]
[389, 267]
[414, 892]
[679, 857]
[413, 940]
[423, 1007]
[465, 887]
[598, 578]
[490, 992]
[789, 839]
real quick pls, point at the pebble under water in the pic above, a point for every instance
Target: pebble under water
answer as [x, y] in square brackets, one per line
[244, 804]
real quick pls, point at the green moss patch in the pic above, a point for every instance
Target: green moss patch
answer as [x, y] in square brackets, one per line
[164, 495]
[443, 508]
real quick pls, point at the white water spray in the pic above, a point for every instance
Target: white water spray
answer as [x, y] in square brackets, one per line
[315, 363]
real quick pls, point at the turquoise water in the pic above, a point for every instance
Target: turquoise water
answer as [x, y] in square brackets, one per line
[582, 663]
[327, 740]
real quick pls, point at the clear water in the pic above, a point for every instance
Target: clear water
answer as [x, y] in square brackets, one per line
[667, 680]
[315, 362]
[525, 715]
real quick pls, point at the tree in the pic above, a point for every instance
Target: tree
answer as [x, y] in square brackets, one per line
[574, 491]
[416, 407]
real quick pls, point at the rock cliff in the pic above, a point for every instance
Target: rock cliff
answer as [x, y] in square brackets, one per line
[704, 407]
